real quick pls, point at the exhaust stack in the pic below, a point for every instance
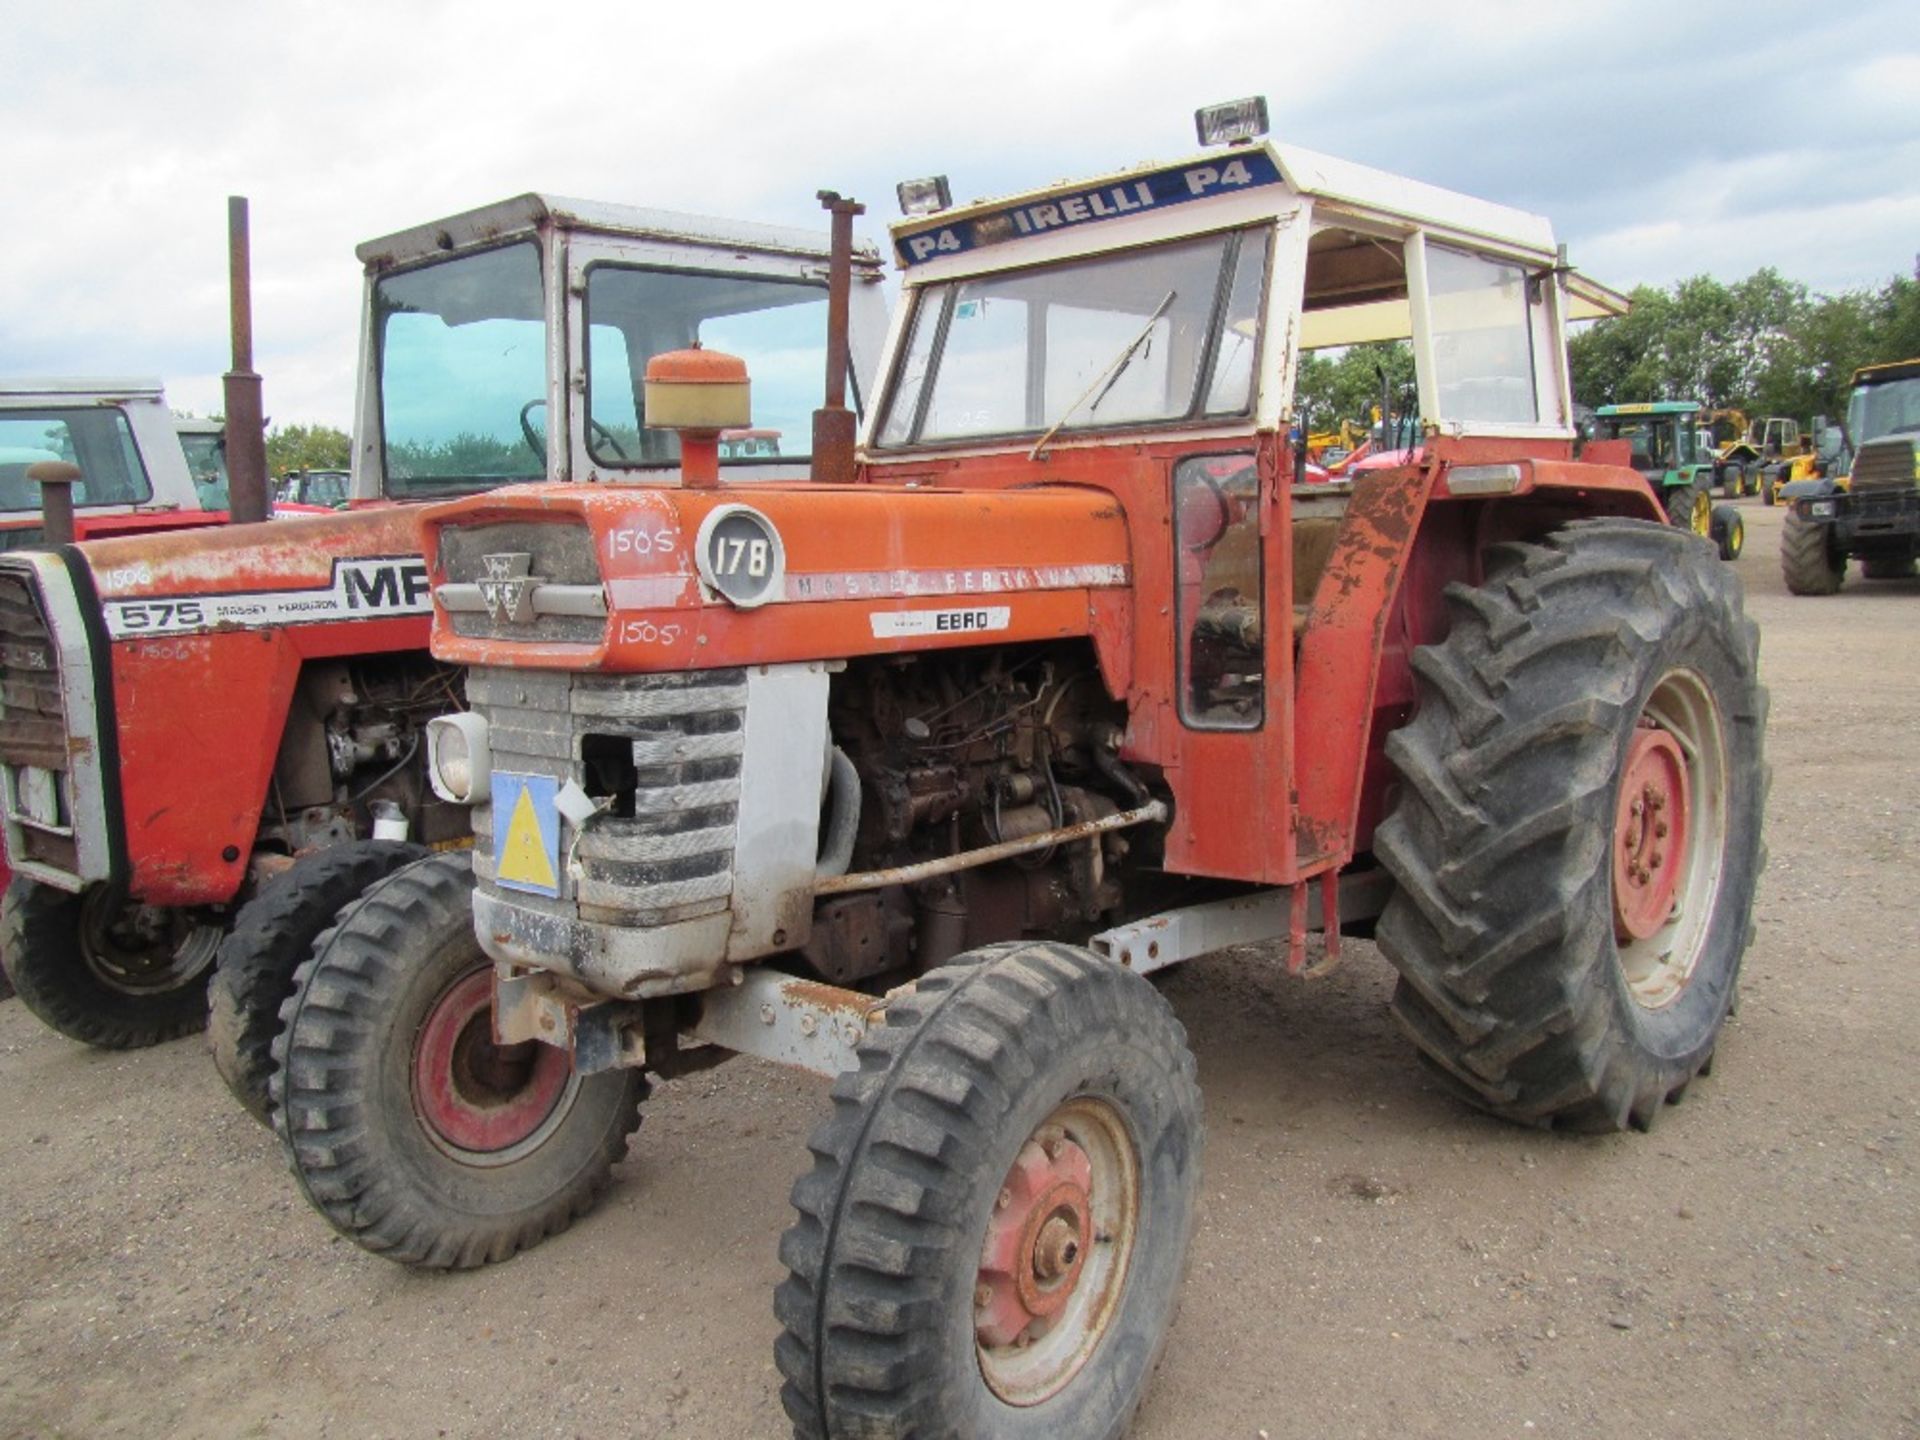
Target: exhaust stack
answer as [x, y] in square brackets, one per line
[246, 424]
[833, 424]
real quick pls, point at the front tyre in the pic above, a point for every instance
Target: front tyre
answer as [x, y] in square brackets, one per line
[114, 976]
[1808, 562]
[272, 937]
[993, 1235]
[1578, 834]
[413, 1133]
[1729, 532]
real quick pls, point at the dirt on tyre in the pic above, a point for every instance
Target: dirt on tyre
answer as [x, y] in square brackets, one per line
[272, 936]
[117, 977]
[993, 1235]
[1808, 562]
[415, 1135]
[1577, 837]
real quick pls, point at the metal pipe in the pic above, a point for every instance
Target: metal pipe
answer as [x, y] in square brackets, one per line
[56, 481]
[1154, 811]
[833, 424]
[246, 420]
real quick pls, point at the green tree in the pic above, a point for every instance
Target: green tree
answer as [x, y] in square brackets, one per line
[307, 447]
[1348, 386]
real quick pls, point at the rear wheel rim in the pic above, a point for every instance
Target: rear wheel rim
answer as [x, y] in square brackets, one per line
[481, 1103]
[1669, 839]
[144, 950]
[1053, 1266]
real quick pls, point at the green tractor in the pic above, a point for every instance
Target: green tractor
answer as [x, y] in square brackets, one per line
[1667, 449]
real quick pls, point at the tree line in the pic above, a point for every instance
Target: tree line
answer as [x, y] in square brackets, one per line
[1766, 345]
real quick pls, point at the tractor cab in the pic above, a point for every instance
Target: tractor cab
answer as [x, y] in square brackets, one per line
[1666, 439]
[510, 343]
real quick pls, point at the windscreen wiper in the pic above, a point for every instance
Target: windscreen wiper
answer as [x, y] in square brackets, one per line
[1106, 379]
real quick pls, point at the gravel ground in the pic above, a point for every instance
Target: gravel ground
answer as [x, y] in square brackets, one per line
[1372, 1259]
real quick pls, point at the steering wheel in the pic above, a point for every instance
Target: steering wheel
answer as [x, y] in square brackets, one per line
[539, 446]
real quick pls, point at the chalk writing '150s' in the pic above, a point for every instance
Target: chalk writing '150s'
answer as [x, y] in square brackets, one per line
[642, 542]
[646, 632]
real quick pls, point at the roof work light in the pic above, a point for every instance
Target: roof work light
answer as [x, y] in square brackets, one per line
[1232, 123]
[924, 197]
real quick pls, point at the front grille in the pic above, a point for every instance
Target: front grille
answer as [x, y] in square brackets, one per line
[1883, 464]
[33, 724]
[663, 751]
[33, 729]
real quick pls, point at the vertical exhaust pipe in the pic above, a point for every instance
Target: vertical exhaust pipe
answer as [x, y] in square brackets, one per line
[833, 424]
[56, 479]
[246, 424]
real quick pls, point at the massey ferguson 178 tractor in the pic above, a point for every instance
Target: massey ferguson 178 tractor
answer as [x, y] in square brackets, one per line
[911, 775]
[194, 718]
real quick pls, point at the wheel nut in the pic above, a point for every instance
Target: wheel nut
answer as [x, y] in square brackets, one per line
[982, 1296]
[1660, 830]
[1005, 1199]
[1658, 859]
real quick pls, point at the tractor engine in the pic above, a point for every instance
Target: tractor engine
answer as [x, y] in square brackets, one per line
[954, 751]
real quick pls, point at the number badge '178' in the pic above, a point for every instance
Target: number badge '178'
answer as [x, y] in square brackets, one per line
[740, 555]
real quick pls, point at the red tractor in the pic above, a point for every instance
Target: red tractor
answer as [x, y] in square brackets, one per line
[221, 730]
[913, 780]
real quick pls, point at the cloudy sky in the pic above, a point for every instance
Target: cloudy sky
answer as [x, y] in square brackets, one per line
[1663, 137]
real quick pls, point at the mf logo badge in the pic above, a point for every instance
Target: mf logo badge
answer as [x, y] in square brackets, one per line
[526, 832]
[507, 587]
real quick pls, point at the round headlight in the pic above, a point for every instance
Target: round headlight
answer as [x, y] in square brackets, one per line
[459, 763]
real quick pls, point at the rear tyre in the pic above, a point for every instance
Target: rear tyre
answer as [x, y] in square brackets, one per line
[114, 977]
[1729, 532]
[1887, 567]
[272, 937]
[1690, 508]
[413, 1133]
[1733, 482]
[1807, 558]
[1578, 835]
[993, 1235]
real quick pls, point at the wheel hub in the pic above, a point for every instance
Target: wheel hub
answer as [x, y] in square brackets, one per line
[477, 1097]
[1650, 833]
[1036, 1242]
[142, 949]
[1054, 1261]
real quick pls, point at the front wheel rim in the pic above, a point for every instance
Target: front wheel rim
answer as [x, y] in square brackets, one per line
[1054, 1263]
[480, 1103]
[1702, 513]
[1669, 839]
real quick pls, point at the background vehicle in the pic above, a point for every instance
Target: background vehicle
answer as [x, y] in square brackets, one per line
[142, 469]
[320, 489]
[1871, 514]
[911, 781]
[1666, 437]
[209, 708]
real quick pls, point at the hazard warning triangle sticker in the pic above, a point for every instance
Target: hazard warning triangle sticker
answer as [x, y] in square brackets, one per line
[527, 852]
